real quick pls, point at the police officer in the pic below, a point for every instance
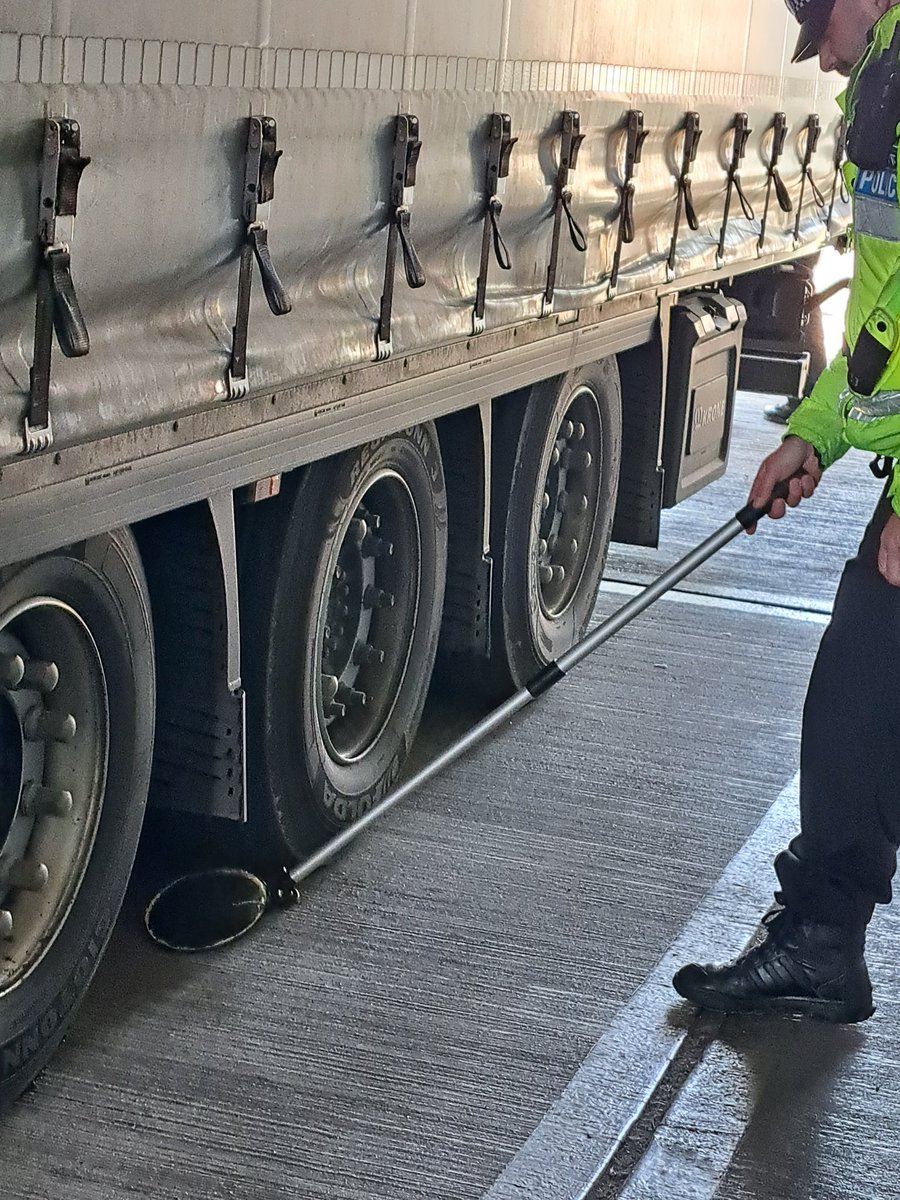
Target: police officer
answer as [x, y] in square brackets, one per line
[831, 876]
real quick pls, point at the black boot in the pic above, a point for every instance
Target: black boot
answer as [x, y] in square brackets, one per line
[781, 412]
[801, 967]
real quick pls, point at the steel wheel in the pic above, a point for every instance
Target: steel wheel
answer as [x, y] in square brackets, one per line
[370, 613]
[54, 740]
[566, 510]
[343, 589]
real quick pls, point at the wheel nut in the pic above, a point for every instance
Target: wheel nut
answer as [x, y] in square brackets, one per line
[12, 670]
[566, 430]
[28, 876]
[357, 530]
[6, 925]
[578, 431]
[351, 697]
[577, 460]
[376, 547]
[45, 725]
[545, 502]
[542, 547]
[554, 456]
[364, 654]
[42, 676]
[329, 688]
[39, 801]
[559, 573]
[583, 504]
[374, 597]
[573, 546]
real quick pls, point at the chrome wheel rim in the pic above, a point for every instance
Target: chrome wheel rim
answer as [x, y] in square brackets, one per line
[54, 742]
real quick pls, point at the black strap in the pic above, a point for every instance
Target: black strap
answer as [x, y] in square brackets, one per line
[501, 252]
[415, 274]
[276, 296]
[71, 331]
[689, 209]
[784, 197]
[816, 190]
[746, 206]
[579, 241]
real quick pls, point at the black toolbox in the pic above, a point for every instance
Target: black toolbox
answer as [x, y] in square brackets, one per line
[704, 359]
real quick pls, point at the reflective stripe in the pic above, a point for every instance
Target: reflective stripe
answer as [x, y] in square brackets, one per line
[872, 408]
[876, 218]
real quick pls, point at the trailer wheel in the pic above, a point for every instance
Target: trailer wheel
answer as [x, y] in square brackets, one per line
[556, 474]
[76, 737]
[343, 584]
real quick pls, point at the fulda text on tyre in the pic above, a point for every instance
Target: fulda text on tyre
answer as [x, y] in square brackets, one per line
[342, 590]
[76, 737]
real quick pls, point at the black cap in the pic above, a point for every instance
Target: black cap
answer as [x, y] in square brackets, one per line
[813, 16]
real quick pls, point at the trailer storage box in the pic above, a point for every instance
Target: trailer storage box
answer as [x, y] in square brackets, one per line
[704, 359]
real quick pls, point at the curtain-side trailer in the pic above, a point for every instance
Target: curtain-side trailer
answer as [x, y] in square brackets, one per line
[337, 341]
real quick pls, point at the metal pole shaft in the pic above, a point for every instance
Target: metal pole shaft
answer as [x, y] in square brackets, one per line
[649, 595]
[457, 749]
[494, 720]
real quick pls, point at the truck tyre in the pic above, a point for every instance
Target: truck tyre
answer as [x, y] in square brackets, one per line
[342, 589]
[77, 711]
[556, 473]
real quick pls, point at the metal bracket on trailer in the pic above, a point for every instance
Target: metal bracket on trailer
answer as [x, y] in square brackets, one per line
[840, 148]
[635, 136]
[259, 187]
[813, 133]
[779, 134]
[57, 304]
[742, 133]
[500, 148]
[407, 147]
[572, 137]
[685, 201]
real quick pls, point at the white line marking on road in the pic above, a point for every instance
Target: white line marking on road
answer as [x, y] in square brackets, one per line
[571, 1146]
[702, 600]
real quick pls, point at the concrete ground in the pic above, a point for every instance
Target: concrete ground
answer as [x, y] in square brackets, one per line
[474, 998]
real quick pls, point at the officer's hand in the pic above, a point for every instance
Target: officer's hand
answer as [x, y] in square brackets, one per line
[889, 551]
[795, 460]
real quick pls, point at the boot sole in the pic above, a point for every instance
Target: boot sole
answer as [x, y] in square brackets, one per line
[836, 1012]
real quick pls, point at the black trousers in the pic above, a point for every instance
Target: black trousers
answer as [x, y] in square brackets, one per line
[842, 862]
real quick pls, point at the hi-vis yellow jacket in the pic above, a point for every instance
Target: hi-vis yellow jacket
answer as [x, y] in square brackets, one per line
[835, 417]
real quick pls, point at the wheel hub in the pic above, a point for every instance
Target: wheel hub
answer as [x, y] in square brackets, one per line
[567, 507]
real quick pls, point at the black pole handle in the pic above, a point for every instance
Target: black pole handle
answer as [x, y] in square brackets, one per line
[748, 516]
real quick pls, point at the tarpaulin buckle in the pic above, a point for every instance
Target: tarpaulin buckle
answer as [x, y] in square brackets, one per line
[260, 161]
[779, 129]
[742, 131]
[56, 306]
[500, 146]
[572, 137]
[405, 159]
[813, 133]
[685, 201]
[635, 136]
[881, 466]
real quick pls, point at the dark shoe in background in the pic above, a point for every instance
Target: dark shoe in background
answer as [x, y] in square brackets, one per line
[801, 967]
[782, 411]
